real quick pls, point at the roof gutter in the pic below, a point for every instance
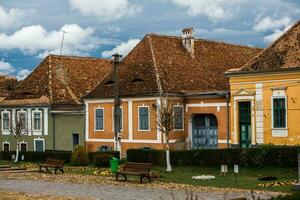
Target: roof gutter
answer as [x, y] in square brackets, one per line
[231, 74]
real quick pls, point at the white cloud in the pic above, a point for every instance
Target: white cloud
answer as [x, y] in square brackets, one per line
[275, 35]
[213, 9]
[123, 48]
[6, 68]
[11, 18]
[277, 26]
[22, 74]
[105, 10]
[269, 23]
[36, 39]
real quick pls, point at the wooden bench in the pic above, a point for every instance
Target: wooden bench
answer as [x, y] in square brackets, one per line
[135, 169]
[52, 163]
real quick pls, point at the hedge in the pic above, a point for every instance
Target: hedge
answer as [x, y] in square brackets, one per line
[262, 156]
[32, 156]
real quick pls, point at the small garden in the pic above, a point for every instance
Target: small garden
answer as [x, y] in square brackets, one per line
[277, 165]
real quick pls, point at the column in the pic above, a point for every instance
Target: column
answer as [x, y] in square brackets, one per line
[45, 121]
[29, 121]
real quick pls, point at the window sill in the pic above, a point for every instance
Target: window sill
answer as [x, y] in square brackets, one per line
[279, 132]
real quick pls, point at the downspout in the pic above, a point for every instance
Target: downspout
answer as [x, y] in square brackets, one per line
[228, 116]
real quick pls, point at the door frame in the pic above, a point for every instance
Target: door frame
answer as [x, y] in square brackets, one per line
[72, 143]
[191, 126]
[236, 132]
[247, 123]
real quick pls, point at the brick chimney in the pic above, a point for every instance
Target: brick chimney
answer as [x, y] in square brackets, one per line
[188, 40]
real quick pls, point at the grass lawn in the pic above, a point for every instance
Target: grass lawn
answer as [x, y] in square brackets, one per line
[246, 179]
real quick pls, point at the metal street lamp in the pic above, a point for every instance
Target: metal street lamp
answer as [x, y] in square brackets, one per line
[117, 102]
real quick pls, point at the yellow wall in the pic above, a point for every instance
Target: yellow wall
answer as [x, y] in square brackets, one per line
[247, 84]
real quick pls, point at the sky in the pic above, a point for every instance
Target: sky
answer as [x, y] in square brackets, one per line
[32, 29]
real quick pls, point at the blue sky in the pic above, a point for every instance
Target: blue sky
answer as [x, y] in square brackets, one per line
[31, 29]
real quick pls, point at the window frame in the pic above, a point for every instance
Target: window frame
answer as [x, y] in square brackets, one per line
[9, 121]
[148, 107]
[272, 114]
[38, 139]
[182, 115]
[113, 119]
[95, 119]
[26, 117]
[3, 143]
[21, 145]
[41, 120]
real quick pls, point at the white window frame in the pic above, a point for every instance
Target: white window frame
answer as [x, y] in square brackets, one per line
[26, 117]
[5, 131]
[5, 143]
[23, 142]
[38, 139]
[37, 131]
[182, 114]
[95, 128]
[113, 119]
[149, 127]
[279, 132]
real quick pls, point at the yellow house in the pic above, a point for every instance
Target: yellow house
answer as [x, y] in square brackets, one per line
[265, 95]
[189, 70]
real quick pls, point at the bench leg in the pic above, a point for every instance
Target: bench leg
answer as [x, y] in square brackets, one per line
[141, 179]
[55, 170]
[62, 170]
[47, 169]
[117, 175]
[149, 177]
[40, 170]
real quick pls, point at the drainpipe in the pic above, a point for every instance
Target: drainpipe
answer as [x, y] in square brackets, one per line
[228, 116]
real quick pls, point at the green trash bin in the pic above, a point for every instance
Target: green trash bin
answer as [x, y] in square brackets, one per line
[114, 164]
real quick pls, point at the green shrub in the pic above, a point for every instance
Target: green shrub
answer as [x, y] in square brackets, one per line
[32, 156]
[79, 156]
[102, 160]
[261, 156]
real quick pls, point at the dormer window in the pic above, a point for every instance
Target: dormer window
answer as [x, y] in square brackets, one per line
[137, 80]
[109, 82]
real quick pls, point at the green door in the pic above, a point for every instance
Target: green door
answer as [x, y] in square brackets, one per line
[245, 124]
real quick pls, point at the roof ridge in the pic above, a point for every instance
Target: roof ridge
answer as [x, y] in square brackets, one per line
[79, 57]
[50, 79]
[266, 49]
[205, 40]
[155, 66]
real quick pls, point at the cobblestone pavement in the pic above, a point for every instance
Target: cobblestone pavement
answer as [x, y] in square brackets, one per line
[105, 191]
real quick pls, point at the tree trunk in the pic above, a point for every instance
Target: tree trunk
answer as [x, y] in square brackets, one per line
[169, 168]
[17, 152]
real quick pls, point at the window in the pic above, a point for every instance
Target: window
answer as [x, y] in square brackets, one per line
[99, 119]
[120, 119]
[39, 145]
[37, 120]
[23, 146]
[144, 118]
[6, 146]
[22, 118]
[5, 120]
[178, 117]
[279, 113]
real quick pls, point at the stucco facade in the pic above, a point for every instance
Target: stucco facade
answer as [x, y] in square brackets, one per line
[56, 131]
[132, 137]
[260, 90]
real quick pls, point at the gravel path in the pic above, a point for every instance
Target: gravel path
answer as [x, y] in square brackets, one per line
[99, 191]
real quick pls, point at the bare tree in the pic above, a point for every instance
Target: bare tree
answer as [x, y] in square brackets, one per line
[165, 123]
[18, 130]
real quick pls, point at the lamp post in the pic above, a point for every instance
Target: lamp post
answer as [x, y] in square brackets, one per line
[117, 102]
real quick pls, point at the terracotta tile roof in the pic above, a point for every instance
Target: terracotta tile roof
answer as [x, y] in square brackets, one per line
[161, 63]
[7, 85]
[283, 54]
[60, 80]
